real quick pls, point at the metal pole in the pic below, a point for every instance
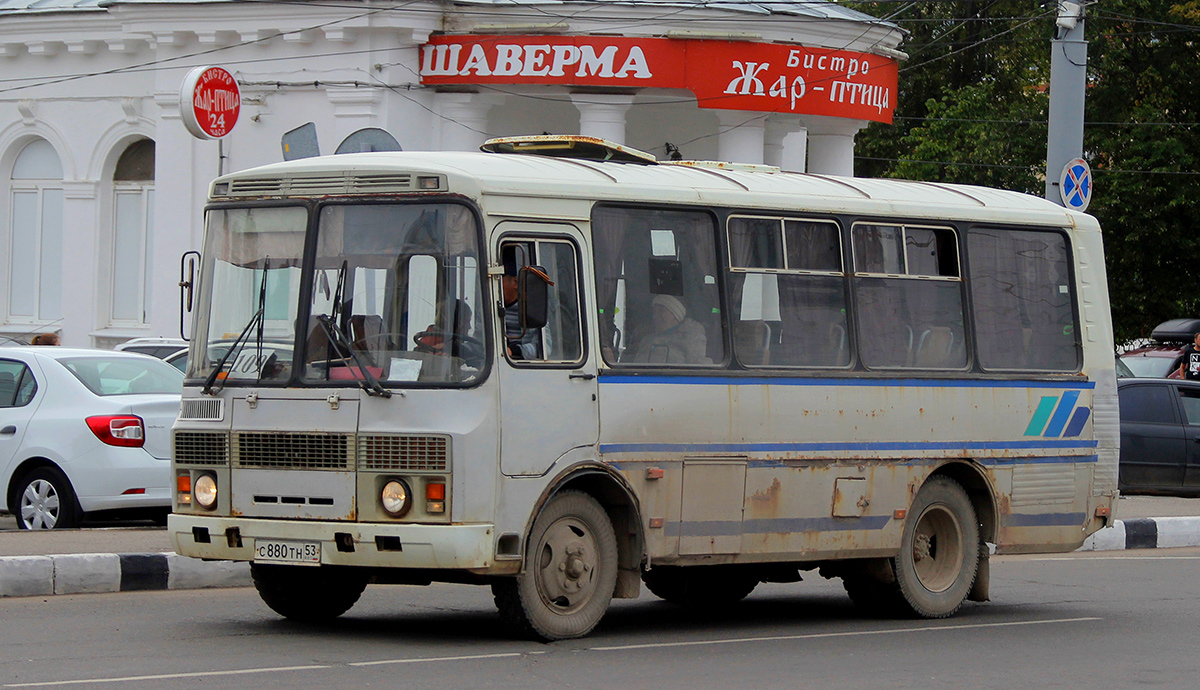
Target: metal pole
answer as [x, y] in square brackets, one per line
[1068, 80]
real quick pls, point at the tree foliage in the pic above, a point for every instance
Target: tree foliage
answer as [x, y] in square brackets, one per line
[973, 105]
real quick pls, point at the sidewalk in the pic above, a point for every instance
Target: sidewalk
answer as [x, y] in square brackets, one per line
[112, 559]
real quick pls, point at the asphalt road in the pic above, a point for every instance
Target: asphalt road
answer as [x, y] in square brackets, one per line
[1097, 620]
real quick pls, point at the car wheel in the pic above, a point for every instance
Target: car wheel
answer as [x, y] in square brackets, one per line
[45, 500]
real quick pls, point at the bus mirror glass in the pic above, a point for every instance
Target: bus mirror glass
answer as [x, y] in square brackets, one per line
[534, 295]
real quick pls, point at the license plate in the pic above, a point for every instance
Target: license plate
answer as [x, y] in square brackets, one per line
[280, 551]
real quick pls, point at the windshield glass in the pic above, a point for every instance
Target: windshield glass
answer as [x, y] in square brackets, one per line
[252, 262]
[1149, 367]
[397, 292]
[124, 375]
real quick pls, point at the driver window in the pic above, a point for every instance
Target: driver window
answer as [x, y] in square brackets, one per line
[556, 262]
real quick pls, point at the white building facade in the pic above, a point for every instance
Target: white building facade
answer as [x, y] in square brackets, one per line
[102, 188]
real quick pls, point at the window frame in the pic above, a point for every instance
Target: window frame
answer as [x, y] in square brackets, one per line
[535, 237]
[1073, 293]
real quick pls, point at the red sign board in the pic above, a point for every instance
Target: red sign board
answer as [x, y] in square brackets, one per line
[729, 75]
[209, 102]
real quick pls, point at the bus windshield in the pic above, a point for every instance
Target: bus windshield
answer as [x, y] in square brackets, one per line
[253, 261]
[395, 298]
[396, 295]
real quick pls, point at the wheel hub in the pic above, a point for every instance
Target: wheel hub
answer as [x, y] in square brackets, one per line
[565, 577]
[39, 505]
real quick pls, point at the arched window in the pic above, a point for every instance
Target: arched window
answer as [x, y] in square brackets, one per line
[36, 235]
[133, 219]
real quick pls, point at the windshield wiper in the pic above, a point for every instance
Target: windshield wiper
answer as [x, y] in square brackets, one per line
[258, 320]
[366, 380]
[236, 347]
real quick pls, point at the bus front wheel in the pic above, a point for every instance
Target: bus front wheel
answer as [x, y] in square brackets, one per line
[939, 552]
[307, 594]
[569, 573]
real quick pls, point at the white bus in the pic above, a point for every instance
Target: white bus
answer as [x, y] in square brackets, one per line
[561, 368]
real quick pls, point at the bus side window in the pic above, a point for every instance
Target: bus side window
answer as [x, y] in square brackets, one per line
[1023, 300]
[560, 340]
[656, 287]
[908, 290]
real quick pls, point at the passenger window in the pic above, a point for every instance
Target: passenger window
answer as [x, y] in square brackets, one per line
[17, 385]
[1191, 404]
[555, 262]
[795, 314]
[909, 297]
[1147, 404]
[1023, 300]
[657, 288]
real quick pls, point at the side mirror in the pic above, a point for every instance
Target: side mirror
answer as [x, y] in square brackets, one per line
[533, 287]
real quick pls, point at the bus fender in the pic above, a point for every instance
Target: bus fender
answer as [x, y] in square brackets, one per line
[617, 497]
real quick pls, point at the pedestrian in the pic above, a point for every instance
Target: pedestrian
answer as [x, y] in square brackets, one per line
[1189, 367]
[52, 339]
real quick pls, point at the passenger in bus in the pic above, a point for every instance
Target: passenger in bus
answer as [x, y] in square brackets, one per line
[676, 339]
[522, 343]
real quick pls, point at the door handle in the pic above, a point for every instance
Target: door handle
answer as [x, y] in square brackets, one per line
[589, 377]
[12, 429]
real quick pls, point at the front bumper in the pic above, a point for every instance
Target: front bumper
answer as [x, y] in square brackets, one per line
[449, 547]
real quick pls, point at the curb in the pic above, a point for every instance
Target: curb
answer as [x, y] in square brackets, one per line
[27, 576]
[1146, 533]
[87, 573]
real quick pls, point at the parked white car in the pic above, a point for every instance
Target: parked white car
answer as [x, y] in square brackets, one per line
[83, 432]
[155, 347]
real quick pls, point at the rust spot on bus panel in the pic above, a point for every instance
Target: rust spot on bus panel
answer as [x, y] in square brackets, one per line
[770, 495]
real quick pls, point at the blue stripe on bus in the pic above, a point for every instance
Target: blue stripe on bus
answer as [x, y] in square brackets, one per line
[1061, 414]
[817, 446]
[801, 381]
[1077, 422]
[629, 465]
[734, 528]
[1041, 415]
[1045, 519]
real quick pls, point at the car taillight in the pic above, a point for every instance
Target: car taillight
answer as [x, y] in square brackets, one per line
[118, 430]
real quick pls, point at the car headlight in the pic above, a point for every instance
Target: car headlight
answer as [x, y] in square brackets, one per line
[395, 497]
[204, 490]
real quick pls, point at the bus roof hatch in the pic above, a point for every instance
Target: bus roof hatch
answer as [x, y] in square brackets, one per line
[569, 146]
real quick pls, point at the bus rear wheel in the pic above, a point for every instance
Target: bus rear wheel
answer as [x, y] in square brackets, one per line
[307, 594]
[701, 586]
[939, 552]
[569, 574]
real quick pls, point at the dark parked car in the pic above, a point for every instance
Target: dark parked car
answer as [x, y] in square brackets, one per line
[1160, 436]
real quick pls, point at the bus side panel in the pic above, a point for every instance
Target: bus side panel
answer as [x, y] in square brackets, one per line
[827, 464]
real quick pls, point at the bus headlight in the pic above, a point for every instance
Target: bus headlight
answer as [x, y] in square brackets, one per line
[395, 497]
[205, 491]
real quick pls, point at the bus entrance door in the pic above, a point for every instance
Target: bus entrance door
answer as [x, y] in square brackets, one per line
[547, 377]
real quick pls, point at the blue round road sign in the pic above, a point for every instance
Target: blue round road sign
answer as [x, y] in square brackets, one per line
[1075, 185]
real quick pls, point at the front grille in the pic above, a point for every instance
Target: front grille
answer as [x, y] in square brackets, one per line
[293, 451]
[203, 409]
[200, 448]
[404, 453]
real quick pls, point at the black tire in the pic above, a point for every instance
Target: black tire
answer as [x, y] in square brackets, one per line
[701, 586]
[569, 574]
[939, 552]
[44, 499]
[307, 594]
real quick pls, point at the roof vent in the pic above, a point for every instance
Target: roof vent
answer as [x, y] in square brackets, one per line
[572, 146]
[720, 165]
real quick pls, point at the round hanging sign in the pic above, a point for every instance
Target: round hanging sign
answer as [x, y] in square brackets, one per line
[209, 102]
[1075, 184]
